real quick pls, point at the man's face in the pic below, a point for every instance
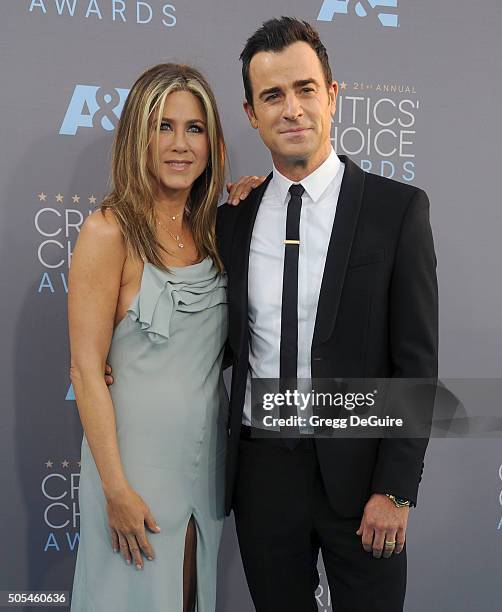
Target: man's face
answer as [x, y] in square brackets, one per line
[292, 106]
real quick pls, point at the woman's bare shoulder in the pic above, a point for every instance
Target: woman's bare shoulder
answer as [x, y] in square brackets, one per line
[102, 224]
[100, 241]
[101, 231]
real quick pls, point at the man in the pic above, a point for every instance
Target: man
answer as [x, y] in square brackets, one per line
[352, 293]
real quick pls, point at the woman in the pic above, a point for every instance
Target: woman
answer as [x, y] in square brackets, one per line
[147, 291]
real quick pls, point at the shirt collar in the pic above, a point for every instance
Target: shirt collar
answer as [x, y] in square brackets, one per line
[315, 184]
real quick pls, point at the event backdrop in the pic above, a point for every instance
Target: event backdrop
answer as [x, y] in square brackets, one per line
[420, 94]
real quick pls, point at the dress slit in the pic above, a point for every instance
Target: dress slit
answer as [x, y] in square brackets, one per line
[190, 566]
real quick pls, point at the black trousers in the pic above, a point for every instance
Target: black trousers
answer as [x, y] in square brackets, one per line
[284, 519]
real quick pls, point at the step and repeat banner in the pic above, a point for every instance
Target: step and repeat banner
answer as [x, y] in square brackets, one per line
[419, 102]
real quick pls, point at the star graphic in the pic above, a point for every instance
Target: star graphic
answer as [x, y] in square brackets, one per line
[65, 463]
[59, 198]
[42, 197]
[92, 200]
[76, 199]
[343, 85]
[48, 464]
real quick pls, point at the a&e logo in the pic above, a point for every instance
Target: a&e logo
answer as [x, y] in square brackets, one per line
[92, 106]
[331, 7]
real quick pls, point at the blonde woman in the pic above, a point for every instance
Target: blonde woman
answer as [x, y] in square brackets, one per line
[148, 294]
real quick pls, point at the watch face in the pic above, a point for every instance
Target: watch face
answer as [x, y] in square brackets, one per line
[398, 501]
[402, 502]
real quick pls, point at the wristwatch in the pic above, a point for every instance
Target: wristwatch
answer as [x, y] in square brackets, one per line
[399, 502]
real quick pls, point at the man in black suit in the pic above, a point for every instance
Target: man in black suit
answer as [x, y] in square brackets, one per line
[332, 273]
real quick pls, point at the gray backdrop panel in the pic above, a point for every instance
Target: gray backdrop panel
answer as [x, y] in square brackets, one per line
[430, 85]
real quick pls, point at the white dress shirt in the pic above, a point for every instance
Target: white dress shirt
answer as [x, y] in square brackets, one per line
[266, 266]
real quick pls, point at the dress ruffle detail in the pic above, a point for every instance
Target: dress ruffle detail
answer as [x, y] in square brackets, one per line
[189, 289]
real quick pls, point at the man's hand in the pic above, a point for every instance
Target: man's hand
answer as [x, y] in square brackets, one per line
[383, 526]
[108, 374]
[242, 188]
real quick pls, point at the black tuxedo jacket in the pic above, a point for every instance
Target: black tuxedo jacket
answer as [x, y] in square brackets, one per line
[377, 316]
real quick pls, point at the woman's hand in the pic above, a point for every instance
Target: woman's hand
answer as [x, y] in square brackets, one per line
[242, 188]
[127, 516]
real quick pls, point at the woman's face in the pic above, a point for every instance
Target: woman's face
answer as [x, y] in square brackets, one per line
[183, 144]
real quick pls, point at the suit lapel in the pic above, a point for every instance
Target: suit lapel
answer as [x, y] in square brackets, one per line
[340, 244]
[342, 236]
[238, 282]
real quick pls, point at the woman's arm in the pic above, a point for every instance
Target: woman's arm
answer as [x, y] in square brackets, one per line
[93, 291]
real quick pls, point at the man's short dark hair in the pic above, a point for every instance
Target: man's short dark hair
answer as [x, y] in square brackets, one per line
[276, 35]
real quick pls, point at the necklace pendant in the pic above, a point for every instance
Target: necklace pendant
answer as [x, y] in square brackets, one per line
[181, 245]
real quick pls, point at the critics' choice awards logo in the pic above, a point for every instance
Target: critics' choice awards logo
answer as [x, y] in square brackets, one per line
[323, 595]
[92, 106]
[362, 8]
[375, 124]
[61, 512]
[57, 220]
[117, 11]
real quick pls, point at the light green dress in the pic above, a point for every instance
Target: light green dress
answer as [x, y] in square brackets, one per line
[171, 413]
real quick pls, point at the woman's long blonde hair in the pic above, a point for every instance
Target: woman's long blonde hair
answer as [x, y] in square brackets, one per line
[132, 188]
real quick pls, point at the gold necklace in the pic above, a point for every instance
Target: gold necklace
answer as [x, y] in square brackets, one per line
[177, 237]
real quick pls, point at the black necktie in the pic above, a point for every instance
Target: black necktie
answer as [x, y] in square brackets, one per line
[289, 311]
